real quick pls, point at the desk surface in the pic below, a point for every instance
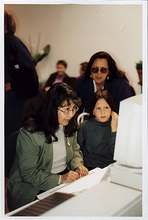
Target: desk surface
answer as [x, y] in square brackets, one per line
[104, 199]
[94, 198]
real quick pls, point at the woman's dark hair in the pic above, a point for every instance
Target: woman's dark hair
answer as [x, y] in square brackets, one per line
[62, 62]
[114, 72]
[84, 66]
[45, 120]
[9, 21]
[101, 94]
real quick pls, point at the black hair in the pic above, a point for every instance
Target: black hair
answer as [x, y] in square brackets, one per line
[45, 119]
[62, 62]
[114, 72]
[101, 94]
[84, 66]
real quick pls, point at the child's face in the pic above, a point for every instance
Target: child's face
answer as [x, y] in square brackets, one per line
[102, 110]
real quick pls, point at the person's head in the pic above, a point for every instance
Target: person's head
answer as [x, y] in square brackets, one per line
[83, 67]
[101, 106]
[101, 65]
[9, 22]
[61, 67]
[59, 99]
[139, 71]
[58, 108]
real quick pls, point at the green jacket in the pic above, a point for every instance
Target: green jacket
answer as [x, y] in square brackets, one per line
[31, 170]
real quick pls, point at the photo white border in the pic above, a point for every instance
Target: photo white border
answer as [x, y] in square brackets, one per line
[145, 98]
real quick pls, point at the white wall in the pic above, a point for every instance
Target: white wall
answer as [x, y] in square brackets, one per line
[75, 32]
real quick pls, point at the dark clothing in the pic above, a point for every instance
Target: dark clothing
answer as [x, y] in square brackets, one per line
[118, 88]
[20, 67]
[97, 143]
[52, 78]
[20, 72]
[14, 111]
[31, 105]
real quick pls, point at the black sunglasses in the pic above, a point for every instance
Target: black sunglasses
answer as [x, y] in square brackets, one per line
[102, 70]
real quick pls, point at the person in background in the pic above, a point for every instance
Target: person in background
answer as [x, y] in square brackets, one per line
[21, 80]
[47, 153]
[58, 76]
[97, 134]
[102, 73]
[139, 71]
[83, 67]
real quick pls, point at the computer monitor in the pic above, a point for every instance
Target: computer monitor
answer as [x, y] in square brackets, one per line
[128, 145]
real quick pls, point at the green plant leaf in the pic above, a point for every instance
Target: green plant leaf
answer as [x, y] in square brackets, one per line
[38, 57]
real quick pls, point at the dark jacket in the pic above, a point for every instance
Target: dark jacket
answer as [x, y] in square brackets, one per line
[20, 67]
[118, 88]
[52, 78]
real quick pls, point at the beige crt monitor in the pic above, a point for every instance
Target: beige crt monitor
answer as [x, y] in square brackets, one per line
[128, 146]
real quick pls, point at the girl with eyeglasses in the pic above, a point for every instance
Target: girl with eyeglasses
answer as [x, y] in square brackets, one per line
[96, 135]
[102, 73]
[47, 153]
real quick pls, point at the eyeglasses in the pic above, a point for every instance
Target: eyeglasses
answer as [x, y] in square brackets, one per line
[102, 70]
[67, 111]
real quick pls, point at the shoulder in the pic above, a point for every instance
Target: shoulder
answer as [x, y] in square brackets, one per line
[17, 42]
[52, 75]
[122, 84]
[119, 88]
[13, 40]
[119, 80]
[66, 79]
[86, 124]
[66, 76]
[117, 83]
[31, 143]
[73, 137]
[20, 47]
[35, 137]
[89, 127]
[86, 83]
[79, 78]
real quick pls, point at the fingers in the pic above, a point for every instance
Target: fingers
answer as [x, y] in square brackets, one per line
[114, 114]
[82, 171]
[72, 176]
[47, 88]
[69, 177]
[114, 117]
[114, 121]
[7, 86]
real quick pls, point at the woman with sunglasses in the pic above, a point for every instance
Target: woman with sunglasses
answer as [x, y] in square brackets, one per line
[102, 73]
[47, 153]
